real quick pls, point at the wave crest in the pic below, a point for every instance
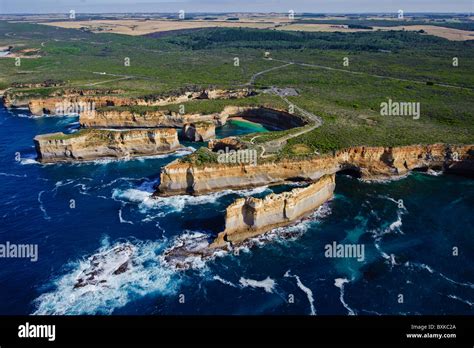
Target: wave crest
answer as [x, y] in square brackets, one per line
[109, 279]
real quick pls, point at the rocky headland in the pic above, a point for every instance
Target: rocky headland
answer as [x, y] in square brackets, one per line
[371, 163]
[54, 101]
[251, 217]
[93, 144]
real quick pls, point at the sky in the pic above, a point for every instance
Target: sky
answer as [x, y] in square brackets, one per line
[315, 6]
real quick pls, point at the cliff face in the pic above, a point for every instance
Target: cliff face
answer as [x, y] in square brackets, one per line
[163, 118]
[101, 98]
[272, 118]
[19, 98]
[231, 143]
[201, 131]
[248, 217]
[96, 144]
[149, 119]
[371, 162]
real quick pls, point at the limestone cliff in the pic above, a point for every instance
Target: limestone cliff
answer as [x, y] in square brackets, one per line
[164, 118]
[100, 98]
[148, 119]
[231, 143]
[276, 119]
[199, 131]
[249, 217]
[180, 177]
[28, 98]
[94, 144]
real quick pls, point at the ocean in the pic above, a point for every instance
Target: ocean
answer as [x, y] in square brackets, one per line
[417, 234]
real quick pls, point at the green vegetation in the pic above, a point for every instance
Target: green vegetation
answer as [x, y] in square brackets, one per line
[204, 106]
[63, 136]
[396, 65]
[199, 157]
[272, 39]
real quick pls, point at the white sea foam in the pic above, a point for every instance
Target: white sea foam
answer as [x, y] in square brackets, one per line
[28, 160]
[126, 179]
[397, 224]
[339, 283]
[190, 249]
[433, 172]
[104, 161]
[121, 219]
[290, 232]
[41, 206]
[143, 196]
[268, 284]
[145, 275]
[394, 227]
[305, 289]
[392, 200]
[193, 242]
[61, 183]
[385, 180]
[469, 303]
[223, 281]
[14, 175]
[21, 115]
[412, 265]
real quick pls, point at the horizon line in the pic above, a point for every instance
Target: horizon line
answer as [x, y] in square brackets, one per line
[237, 12]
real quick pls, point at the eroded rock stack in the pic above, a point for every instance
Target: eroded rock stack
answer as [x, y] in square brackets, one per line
[199, 131]
[249, 217]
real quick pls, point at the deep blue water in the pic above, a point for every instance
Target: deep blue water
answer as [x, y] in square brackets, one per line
[408, 249]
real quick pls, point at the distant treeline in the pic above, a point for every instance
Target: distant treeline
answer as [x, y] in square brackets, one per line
[390, 23]
[273, 39]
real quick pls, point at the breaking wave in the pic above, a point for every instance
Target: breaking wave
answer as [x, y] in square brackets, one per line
[28, 159]
[290, 232]
[119, 278]
[143, 197]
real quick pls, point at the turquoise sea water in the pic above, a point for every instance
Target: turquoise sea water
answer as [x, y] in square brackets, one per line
[408, 247]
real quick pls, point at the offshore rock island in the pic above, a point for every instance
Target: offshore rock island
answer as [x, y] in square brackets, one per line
[249, 217]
